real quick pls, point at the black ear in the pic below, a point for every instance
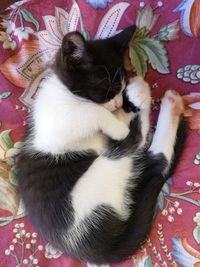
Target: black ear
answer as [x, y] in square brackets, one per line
[122, 39]
[73, 49]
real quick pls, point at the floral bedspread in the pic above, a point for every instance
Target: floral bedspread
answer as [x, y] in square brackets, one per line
[165, 50]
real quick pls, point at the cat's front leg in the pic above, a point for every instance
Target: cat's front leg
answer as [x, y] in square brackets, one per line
[112, 126]
[139, 94]
[123, 116]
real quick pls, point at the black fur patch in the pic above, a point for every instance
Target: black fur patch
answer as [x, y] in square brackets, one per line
[126, 147]
[45, 183]
[127, 105]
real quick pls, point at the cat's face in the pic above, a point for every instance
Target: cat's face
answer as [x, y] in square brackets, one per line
[94, 70]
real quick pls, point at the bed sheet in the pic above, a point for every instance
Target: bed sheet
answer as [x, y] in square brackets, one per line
[166, 51]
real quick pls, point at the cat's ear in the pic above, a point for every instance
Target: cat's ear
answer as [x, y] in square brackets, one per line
[73, 49]
[122, 39]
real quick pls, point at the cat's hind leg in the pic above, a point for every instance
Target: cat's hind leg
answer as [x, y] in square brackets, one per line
[152, 165]
[165, 137]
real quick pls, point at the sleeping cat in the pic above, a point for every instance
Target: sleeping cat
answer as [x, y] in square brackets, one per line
[88, 172]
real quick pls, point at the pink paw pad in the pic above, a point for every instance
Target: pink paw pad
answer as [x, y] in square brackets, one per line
[173, 98]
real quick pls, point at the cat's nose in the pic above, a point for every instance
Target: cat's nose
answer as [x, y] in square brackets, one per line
[118, 102]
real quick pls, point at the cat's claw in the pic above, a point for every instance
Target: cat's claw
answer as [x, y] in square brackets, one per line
[139, 93]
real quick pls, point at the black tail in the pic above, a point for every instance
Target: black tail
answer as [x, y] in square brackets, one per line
[179, 146]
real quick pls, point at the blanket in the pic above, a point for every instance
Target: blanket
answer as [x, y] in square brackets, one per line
[165, 51]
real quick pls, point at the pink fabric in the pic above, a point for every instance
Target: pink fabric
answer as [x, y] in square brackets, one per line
[28, 39]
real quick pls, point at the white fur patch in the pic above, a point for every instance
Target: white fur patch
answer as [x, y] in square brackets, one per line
[104, 183]
[139, 93]
[167, 125]
[63, 121]
[52, 117]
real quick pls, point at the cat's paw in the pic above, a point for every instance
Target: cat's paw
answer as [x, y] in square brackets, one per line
[118, 131]
[173, 102]
[139, 93]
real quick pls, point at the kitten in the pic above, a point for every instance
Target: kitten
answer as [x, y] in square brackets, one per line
[87, 172]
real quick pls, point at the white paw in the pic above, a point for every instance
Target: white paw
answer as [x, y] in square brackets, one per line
[139, 93]
[118, 131]
[174, 102]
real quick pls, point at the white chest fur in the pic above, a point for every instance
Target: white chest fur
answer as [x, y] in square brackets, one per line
[58, 126]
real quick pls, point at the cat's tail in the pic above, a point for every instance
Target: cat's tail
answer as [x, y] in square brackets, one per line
[146, 197]
[179, 145]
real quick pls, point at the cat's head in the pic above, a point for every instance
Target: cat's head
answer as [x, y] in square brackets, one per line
[94, 69]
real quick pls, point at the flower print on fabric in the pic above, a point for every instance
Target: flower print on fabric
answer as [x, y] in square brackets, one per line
[8, 23]
[190, 18]
[8, 42]
[24, 248]
[99, 3]
[51, 252]
[185, 254]
[23, 33]
[192, 110]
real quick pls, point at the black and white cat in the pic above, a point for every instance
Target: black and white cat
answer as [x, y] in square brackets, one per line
[87, 172]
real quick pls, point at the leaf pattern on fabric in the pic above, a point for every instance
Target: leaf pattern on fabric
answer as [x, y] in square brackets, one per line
[169, 32]
[5, 140]
[146, 18]
[29, 18]
[156, 54]
[196, 230]
[62, 18]
[9, 25]
[74, 16]
[138, 59]
[9, 200]
[5, 95]
[143, 49]
[196, 233]
[110, 21]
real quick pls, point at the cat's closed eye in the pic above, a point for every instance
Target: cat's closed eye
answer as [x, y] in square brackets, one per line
[92, 69]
